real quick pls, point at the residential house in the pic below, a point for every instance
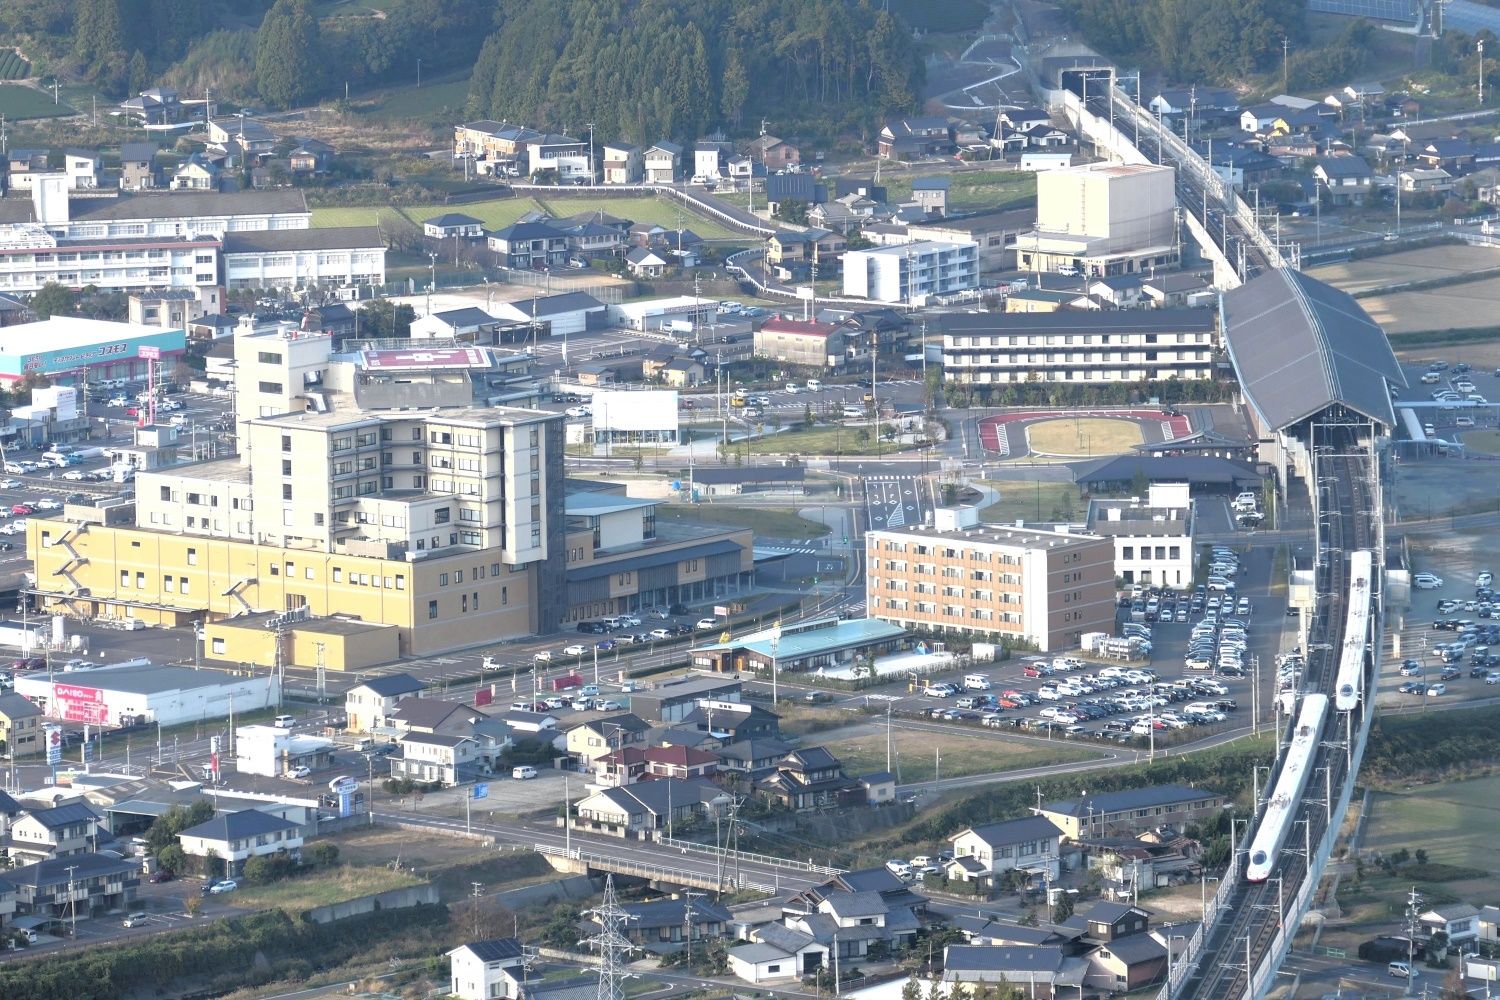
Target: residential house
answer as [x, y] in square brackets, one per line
[82, 169]
[625, 766]
[801, 342]
[251, 137]
[711, 160]
[370, 705]
[752, 755]
[1426, 181]
[645, 262]
[1454, 155]
[1043, 972]
[59, 832]
[487, 970]
[663, 926]
[20, 723]
[197, 173]
[1132, 811]
[1045, 135]
[495, 146]
[683, 373]
[662, 162]
[309, 156]
[810, 778]
[990, 931]
[783, 191]
[776, 154]
[1459, 921]
[23, 166]
[236, 837]
[731, 721]
[1147, 861]
[930, 194]
[1030, 845]
[645, 810]
[597, 737]
[138, 169]
[851, 924]
[1176, 290]
[777, 952]
[591, 240]
[1126, 964]
[915, 137]
[1488, 925]
[622, 163]
[1260, 117]
[745, 170]
[529, 724]
[530, 245]
[880, 788]
[77, 887]
[893, 890]
[155, 106]
[451, 225]
[1348, 180]
[566, 156]
[786, 246]
[436, 757]
[1196, 102]
[680, 762]
[431, 715]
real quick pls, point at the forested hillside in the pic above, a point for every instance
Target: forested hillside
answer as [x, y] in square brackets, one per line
[1207, 40]
[678, 68]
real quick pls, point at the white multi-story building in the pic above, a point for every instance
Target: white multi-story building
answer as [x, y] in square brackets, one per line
[304, 258]
[1133, 345]
[155, 241]
[565, 154]
[912, 272]
[1102, 219]
[1153, 537]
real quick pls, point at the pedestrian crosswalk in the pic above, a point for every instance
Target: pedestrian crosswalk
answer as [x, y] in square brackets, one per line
[789, 550]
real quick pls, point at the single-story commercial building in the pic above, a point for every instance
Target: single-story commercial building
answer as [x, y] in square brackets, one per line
[147, 693]
[671, 703]
[810, 645]
[1131, 811]
[66, 349]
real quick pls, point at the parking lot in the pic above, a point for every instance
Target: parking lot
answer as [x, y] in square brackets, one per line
[1450, 640]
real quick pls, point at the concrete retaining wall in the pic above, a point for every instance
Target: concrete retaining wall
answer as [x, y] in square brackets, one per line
[574, 887]
[395, 899]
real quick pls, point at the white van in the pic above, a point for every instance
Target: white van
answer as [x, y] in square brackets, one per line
[853, 412]
[1399, 969]
[813, 385]
[522, 773]
[976, 682]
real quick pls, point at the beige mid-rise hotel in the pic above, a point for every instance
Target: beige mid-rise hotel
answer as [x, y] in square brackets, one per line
[1043, 588]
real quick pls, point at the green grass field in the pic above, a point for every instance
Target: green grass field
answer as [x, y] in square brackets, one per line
[976, 190]
[13, 66]
[18, 103]
[916, 754]
[502, 212]
[1030, 501]
[410, 101]
[818, 441]
[321, 888]
[765, 522]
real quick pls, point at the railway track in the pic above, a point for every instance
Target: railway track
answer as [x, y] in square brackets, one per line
[1237, 946]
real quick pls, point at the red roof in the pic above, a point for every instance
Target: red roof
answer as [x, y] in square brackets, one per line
[807, 328]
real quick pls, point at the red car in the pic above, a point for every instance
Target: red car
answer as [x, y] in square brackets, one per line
[21, 508]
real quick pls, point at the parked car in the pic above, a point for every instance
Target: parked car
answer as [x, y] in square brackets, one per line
[222, 886]
[576, 649]
[704, 624]
[1427, 581]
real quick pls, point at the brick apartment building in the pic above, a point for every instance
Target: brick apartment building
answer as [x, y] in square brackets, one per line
[1044, 588]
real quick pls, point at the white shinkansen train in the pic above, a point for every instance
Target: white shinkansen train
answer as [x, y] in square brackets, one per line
[1296, 767]
[1351, 675]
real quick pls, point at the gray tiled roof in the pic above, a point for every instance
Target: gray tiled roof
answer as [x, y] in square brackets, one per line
[1299, 346]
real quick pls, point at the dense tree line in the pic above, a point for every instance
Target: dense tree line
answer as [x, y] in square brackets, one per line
[1407, 746]
[1222, 40]
[223, 955]
[680, 68]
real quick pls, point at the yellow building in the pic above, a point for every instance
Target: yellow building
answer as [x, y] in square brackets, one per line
[443, 521]
[20, 725]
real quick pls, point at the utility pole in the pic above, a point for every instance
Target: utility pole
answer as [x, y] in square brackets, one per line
[591, 153]
[1413, 911]
[1285, 44]
[613, 946]
[72, 902]
[476, 890]
[687, 920]
[1481, 72]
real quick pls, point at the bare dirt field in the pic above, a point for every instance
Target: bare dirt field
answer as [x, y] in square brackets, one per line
[1409, 265]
